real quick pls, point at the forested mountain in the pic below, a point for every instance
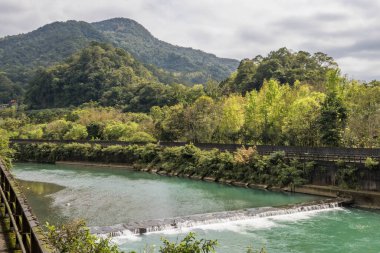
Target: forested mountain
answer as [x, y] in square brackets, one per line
[21, 54]
[85, 76]
[107, 75]
[192, 65]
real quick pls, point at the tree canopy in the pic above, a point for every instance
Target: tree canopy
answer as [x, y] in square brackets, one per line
[282, 65]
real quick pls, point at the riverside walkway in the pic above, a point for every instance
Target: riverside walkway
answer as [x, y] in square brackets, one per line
[19, 229]
[3, 242]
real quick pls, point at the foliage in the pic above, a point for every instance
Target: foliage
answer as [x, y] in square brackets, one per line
[371, 163]
[9, 90]
[76, 132]
[245, 156]
[244, 165]
[231, 118]
[75, 237]
[282, 65]
[5, 151]
[90, 72]
[189, 245]
[201, 120]
[192, 66]
[20, 55]
[347, 175]
[332, 120]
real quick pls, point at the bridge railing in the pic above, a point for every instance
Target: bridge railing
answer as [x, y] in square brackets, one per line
[317, 153]
[28, 234]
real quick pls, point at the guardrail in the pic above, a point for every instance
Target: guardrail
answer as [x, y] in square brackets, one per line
[29, 236]
[303, 153]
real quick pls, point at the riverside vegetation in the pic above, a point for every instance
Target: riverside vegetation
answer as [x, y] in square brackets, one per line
[245, 165]
[122, 100]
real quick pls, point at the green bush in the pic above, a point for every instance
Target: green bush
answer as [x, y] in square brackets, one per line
[76, 132]
[5, 152]
[75, 237]
[189, 245]
[371, 163]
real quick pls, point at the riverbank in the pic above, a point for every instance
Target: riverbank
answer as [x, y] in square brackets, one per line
[243, 168]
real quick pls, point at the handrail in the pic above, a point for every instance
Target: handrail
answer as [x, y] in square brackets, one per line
[29, 237]
[316, 153]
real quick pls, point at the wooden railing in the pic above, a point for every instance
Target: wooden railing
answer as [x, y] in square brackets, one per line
[28, 234]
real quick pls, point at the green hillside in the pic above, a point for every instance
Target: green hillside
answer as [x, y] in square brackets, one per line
[20, 55]
[85, 76]
[192, 65]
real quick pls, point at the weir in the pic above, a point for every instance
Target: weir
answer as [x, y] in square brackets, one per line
[142, 227]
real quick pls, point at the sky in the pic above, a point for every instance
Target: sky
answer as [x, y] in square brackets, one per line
[348, 30]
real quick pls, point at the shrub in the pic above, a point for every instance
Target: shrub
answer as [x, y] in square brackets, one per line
[55, 130]
[76, 132]
[5, 151]
[371, 163]
[189, 245]
[75, 237]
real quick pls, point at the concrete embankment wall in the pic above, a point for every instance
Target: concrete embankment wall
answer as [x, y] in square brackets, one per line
[329, 173]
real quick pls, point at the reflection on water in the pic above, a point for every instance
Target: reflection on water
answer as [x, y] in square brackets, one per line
[38, 195]
[38, 188]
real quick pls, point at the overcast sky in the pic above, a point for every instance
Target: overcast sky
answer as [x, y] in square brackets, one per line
[348, 30]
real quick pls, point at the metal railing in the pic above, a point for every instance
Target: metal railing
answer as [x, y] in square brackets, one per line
[28, 234]
[357, 155]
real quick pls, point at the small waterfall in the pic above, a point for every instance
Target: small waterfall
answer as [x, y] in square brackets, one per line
[189, 221]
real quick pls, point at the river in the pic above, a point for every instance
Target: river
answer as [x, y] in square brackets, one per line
[108, 196]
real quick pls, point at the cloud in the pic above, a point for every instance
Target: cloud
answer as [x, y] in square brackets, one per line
[348, 30]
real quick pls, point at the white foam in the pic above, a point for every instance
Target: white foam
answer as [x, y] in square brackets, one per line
[123, 237]
[241, 226]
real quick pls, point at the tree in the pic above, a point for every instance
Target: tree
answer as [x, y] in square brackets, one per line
[76, 132]
[265, 112]
[282, 65]
[200, 118]
[332, 120]
[231, 119]
[8, 89]
[56, 129]
[170, 122]
[300, 122]
[363, 109]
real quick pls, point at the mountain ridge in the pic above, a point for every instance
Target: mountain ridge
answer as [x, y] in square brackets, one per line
[21, 54]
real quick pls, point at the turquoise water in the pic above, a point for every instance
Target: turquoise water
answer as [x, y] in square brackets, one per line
[109, 196]
[337, 231]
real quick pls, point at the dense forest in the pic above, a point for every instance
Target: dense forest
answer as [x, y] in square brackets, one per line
[21, 55]
[113, 80]
[103, 92]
